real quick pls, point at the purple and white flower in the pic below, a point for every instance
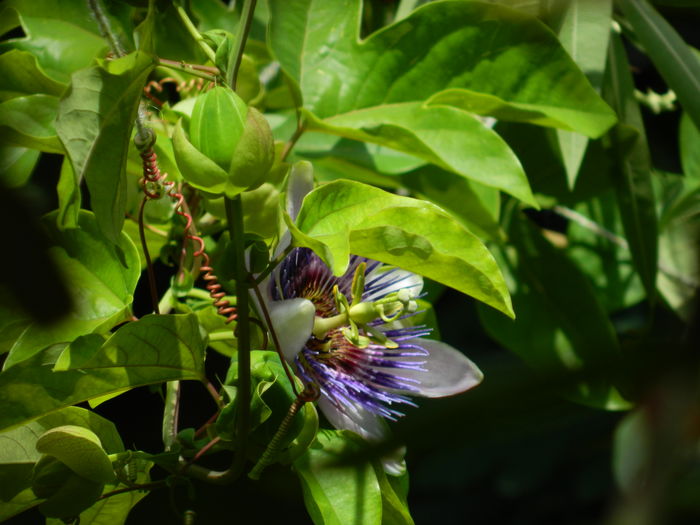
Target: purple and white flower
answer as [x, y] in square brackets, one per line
[351, 336]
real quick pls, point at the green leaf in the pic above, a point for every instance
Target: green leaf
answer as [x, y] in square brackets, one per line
[21, 502]
[336, 493]
[678, 278]
[60, 33]
[80, 449]
[607, 263]
[345, 217]
[18, 452]
[16, 165]
[151, 343]
[491, 59]
[110, 511]
[583, 28]
[476, 206]
[101, 287]
[22, 76]
[448, 137]
[272, 395]
[143, 33]
[152, 350]
[29, 122]
[561, 327]
[632, 173]
[94, 124]
[632, 451]
[394, 506]
[213, 14]
[172, 39]
[690, 150]
[69, 197]
[674, 59]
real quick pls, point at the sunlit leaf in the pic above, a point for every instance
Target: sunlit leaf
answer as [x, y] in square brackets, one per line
[449, 137]
[345, 217]
[479, 52]
[337, 494]
[583, 28]
[155, 349]
[476, 206]
[60, 33]
[23, 76]
[94, 124]
[80, 449]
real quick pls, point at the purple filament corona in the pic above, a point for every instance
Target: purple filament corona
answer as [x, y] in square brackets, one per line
[348, 374]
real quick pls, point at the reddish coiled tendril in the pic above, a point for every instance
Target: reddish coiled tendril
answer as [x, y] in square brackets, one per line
[154, 184]
[185, 88]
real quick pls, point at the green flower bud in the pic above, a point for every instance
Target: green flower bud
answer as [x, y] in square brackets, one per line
[217, 124]
[230, 148]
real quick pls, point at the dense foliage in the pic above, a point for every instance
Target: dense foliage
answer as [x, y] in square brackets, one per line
[263, 295]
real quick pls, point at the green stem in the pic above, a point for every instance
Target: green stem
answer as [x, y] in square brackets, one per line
[187, 68]
[221, 336]
[235, 58]
[234, 215]
[273, 264]
[105, 27]
[166, 302]
[192, 30]
[149, 262]
[171, 412]
[184, 66]
[301, 127]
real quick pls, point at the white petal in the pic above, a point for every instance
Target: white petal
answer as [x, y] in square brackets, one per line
[394, 462]
[447, 371]
[370, 426]
[354, 418]
[284, 242]
[293, 321]
[300, 182]
[399, 278]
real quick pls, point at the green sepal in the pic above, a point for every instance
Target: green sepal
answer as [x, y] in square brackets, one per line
[196, 168]
[254, 153]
